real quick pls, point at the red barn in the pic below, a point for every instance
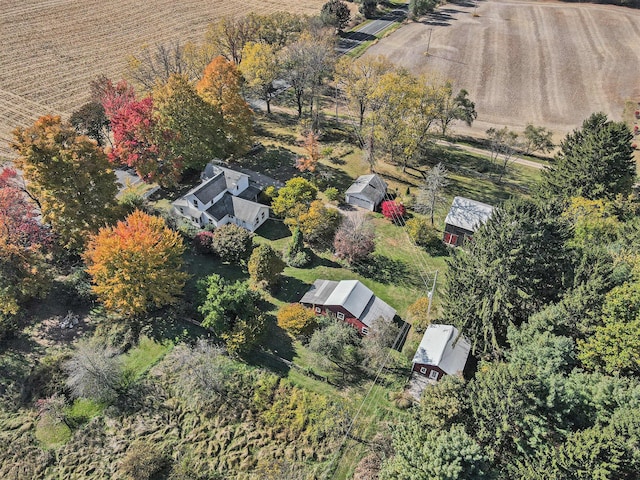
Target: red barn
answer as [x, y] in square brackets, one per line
[442, 351]
[348, 300]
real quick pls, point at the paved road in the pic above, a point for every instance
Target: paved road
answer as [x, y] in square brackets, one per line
[487, 153]
[352, 39]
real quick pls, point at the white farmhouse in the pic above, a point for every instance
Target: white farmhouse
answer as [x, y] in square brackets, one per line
[225, 196]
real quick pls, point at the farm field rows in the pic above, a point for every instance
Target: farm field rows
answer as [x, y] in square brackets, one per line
[547, 63]
[51, 49]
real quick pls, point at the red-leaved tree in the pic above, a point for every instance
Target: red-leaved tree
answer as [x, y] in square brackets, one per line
[393, 210]
[23, 245]
[135, 138]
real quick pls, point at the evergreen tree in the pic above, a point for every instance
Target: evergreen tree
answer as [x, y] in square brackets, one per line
[594, 162]
[515, 265]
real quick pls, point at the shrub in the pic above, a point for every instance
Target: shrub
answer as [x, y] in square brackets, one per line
[421, 232]
[232, 243]
[417, 314]
[265, 266]
[393, 210]
[332, 194]
[297, 319]
[295, 255]
[143, 461]
[203, 242]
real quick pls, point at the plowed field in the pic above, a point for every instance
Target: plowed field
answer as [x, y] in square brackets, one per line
[51, 49]
[548, 63]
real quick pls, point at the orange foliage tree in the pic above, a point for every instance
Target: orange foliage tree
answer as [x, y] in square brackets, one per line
[136, 265]
[220, 86]
[312, 154]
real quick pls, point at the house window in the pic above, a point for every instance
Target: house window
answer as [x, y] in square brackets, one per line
[263, 215]
[433, 374]
[210, 220]
[340, 316]
[423, 370]
[365, 330]
[195, 220]
[318, 310]
[181, 210]
[195, 203]
[257, 220]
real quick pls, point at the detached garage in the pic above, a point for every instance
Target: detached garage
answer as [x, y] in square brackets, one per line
[366, 192]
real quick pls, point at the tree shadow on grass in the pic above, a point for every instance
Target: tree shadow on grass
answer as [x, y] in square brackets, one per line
[277, 350]
[291, 289]
[273, 230]
[383, 269]
[320, 261]
[276, 162]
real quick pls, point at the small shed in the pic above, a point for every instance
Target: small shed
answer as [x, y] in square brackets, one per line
[367, 191]
[442, 351]
[463, 219]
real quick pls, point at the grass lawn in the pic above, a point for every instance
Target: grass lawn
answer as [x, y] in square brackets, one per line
[145, 355]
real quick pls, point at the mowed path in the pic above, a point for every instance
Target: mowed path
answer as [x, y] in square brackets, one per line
[51, 49]
[547, 63]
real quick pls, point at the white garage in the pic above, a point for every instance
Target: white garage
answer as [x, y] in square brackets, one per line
[367, 191]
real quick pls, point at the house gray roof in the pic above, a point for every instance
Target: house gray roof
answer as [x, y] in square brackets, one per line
[443, 347]
[319, 292]
[376, 309]
[372, 187]
[210, 188]
[351, 295]
[240, 208]
[468, 214]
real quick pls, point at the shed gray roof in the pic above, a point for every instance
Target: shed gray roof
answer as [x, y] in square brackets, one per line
[240, 208]
[352, 295]
[468, 214]
[372, 187]
[442, 347]
[210, 188]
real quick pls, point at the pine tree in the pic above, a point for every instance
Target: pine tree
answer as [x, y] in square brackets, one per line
[594, 162]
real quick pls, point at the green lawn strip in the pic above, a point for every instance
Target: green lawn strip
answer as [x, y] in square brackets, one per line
[139, 360]
[83, 409]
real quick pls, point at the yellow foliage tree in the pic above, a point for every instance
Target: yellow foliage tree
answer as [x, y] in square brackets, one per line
[136, 265]
[296, 319]
[220, 86]
[417, 313]
[260, 68]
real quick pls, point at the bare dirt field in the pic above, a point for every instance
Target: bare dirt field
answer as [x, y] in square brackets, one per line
[547, 63]
[51, 49]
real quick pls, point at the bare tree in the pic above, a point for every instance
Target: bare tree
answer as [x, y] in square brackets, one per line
[200, 372]
[94, 371]
[355, 239]
[156, 64]
[431, 193]
[307, 62]
[228, 36]
[505, 143]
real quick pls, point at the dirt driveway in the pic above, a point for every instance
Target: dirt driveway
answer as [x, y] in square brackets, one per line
[547, 63]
